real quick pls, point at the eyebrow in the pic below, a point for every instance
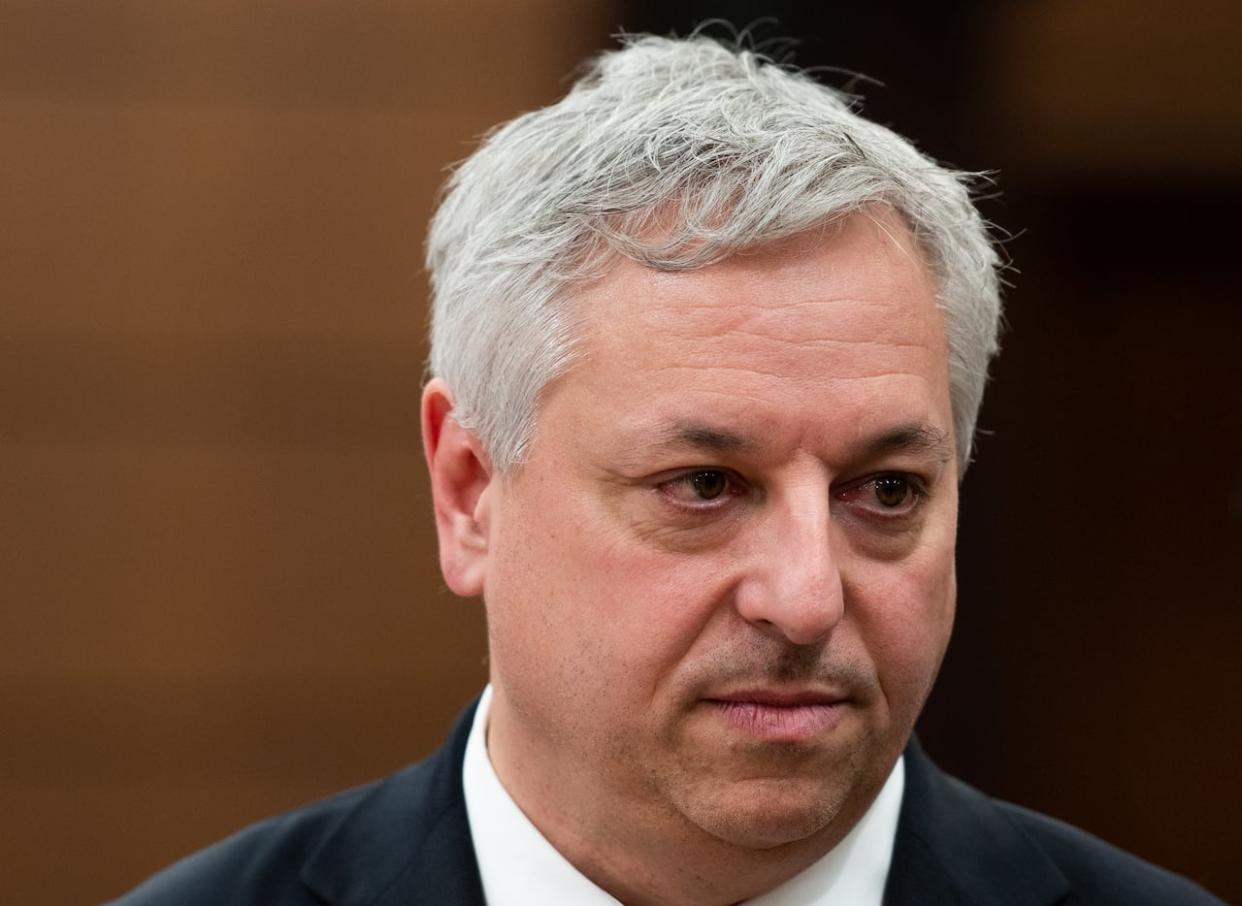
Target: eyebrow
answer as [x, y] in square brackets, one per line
[913, 438]
[703, 437]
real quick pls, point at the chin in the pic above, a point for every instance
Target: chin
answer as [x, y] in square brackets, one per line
[765, 814]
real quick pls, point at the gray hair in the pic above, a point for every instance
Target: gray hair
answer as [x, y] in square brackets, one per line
[675, 153]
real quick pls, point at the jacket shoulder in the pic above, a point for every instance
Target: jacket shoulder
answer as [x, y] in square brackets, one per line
[1100, 873]
[383, 844]
[257, 865]
[958, 845]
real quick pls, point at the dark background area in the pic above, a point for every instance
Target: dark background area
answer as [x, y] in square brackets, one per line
[218, 588]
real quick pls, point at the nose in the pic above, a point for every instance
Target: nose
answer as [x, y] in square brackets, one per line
[793, 589]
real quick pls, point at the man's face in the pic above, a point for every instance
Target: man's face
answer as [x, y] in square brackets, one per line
[721, 585]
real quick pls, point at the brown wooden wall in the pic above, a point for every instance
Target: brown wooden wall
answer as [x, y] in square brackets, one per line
[218, 588]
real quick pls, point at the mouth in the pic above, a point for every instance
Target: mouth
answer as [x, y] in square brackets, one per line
[779, 715]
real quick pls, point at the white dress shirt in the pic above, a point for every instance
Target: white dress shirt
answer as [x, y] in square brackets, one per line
[519, 867]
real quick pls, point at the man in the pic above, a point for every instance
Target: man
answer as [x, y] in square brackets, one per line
[707, 353]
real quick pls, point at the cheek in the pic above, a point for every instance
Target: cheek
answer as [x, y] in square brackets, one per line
[574, 601]
[904, 612]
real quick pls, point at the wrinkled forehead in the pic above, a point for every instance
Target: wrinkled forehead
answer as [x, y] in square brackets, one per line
[839, 320]
[872, 255]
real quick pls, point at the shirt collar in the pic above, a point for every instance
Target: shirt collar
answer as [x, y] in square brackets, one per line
[519, 867]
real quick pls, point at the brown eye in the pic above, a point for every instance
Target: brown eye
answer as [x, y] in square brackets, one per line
[891, 491]
[708, 484]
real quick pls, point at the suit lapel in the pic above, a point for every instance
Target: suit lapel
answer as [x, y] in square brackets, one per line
[954, 846]
[407, 842]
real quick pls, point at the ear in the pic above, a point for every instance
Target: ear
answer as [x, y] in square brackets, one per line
[461, 473]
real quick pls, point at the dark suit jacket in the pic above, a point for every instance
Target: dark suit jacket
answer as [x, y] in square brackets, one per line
[405, 840]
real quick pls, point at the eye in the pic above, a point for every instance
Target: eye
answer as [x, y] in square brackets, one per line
[891, 495]
[701, 488]
[708, 484]
[891, 491]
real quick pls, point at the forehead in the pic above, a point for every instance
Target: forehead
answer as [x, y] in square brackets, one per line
[834, 329]
[869, 258]
[814, 346]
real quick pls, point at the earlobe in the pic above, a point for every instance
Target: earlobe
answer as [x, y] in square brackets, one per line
[461, 474]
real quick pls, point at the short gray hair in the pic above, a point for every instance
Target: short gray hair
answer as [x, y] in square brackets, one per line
[721, 149]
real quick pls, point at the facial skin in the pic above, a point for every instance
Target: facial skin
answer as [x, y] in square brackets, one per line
[721, 585]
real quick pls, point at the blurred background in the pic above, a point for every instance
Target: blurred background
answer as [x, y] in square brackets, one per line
[218, 590]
